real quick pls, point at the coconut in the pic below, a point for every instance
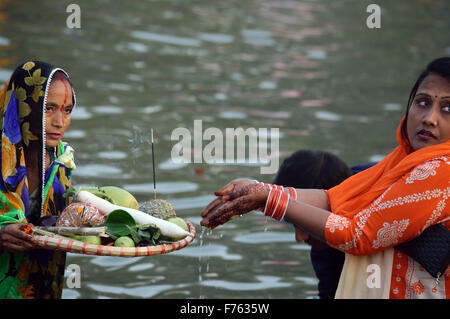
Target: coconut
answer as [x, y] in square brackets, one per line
[159, 208]
[119, 196]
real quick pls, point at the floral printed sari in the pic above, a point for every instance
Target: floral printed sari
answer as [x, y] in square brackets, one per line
[38, 273]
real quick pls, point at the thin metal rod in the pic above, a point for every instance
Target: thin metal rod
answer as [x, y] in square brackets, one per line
[154, 173]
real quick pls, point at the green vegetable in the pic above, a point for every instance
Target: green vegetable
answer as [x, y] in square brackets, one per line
[124, 241]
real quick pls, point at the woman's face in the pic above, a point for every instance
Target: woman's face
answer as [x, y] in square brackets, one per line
[428, 120]
[57, 111]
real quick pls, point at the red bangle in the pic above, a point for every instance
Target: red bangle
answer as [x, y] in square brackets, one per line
[281, 210]
[293, 192]
[276, 204]
[277, 200]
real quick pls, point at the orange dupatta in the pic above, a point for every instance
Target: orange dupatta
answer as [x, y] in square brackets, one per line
[357, 192]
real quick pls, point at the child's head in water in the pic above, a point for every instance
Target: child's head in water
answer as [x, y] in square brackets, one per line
[311, 169]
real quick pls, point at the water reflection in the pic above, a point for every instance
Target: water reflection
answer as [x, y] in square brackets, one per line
[170, 165]
[114, 263]
[264, 282]
[218, 251]
[147, 291]
[169, 39]
[75, 134]
[107, 109]
[216, 37]
[266, 237]
[162, 187]
[191, 202]
[81, 113]
[112, 155]
[257, 37]
[98, 170]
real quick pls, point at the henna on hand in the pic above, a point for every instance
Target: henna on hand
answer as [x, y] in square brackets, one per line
[238, 202]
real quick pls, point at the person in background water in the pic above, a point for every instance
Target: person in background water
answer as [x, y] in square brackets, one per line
[319, 170]
[36, 167]
[373, 211]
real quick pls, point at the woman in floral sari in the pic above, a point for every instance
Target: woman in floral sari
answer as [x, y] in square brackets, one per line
[372, 212]
[36, 167]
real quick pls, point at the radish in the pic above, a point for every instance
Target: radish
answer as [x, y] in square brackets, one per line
[167, 228]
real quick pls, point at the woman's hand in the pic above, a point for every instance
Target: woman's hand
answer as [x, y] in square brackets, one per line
[236, 198]
[14, 239]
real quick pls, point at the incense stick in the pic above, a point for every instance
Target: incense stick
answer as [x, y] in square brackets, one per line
[154, 174]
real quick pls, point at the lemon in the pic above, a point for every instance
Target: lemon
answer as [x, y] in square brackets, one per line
[124, 241]
[180, 222]
[94, 240]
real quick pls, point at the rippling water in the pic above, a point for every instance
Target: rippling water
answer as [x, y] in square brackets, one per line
[310, 68]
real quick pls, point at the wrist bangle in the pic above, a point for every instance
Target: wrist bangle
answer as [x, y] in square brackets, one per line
[292, 192]
[276, 204]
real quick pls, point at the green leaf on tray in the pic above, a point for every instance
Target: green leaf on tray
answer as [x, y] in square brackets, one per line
[134, 235]
[119, 223]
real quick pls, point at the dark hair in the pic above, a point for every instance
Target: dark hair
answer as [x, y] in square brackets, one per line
[441, 67]
[312, 169]
[57, 77]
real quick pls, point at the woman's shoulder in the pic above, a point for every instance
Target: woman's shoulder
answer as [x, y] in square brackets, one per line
[429, 169]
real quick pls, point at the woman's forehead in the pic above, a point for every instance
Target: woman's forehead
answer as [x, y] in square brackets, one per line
[435, 85]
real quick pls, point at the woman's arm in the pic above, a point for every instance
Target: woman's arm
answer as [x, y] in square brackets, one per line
[313, 197]
[405, 209]
[415, 202]
[310, 213]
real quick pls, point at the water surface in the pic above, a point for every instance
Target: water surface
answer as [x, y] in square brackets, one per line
[310, 68]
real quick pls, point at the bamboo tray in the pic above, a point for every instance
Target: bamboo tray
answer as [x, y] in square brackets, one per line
[75, 246]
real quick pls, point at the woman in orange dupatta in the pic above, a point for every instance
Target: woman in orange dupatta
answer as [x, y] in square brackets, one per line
[371, 212]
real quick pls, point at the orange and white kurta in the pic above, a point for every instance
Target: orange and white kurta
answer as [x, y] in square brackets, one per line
[416, 201]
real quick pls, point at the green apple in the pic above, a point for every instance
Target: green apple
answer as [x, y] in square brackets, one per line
[124, 241]
[94, 240]
[180, 222]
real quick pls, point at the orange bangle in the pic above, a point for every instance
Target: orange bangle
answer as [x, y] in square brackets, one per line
[268, 211]
[279, 213]
[276, 204]
[293, 192]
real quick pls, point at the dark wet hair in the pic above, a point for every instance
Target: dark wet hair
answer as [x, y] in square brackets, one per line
[56, 77]
[441, 67]
[312, 169]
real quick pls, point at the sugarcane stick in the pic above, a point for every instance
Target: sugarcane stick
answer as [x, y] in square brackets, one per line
[47, 233]
[75, 231]
[53, 235]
